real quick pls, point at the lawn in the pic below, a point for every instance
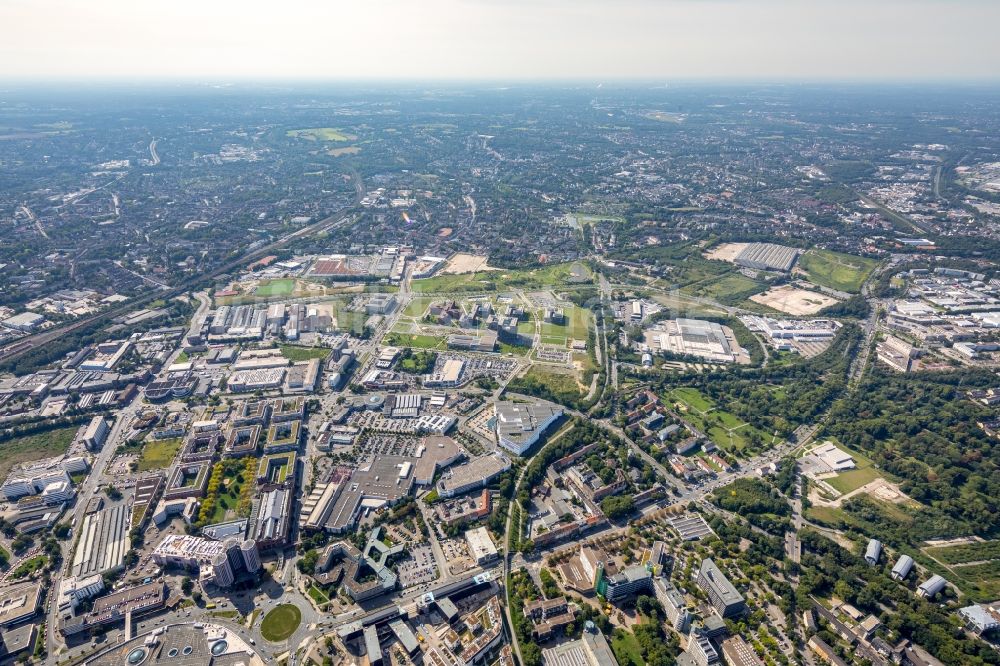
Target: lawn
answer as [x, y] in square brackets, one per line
[825, 515]
[320, 134]
[693, 398]
[271, 288]
[730, 289]
[281, 623]
[417, 307]
[317, 595]
[727, 430]
[158, 454]
[295, 353]
[626, 648]
[843, 272]
[415, 341]
[535, 278]
[34, 447]
[465, 282]
[851, 480]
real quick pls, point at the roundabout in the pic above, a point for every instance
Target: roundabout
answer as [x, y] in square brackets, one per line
[280, 623]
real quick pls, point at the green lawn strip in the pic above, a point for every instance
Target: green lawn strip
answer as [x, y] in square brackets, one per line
[296, 353]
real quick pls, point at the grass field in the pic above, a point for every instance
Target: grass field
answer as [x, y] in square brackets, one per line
[692, 398]
[559, 383]
[280, 623]
[34, 447]
[395, 339]
[317, 595]
[727, 430]
[294, 353]
[843, 272]
[417, 307]
[534, 278]
[158, 454]
[320, 134]
[461, 283]
[729, 289]
[271, 288]
[851, 480]
[626, 648]
[825, 515]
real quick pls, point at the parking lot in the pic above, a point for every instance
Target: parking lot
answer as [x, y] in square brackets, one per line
[421, 568]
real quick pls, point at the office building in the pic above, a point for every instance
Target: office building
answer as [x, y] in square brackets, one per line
[723, 595]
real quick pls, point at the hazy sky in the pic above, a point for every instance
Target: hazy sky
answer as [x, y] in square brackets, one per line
[500, 39]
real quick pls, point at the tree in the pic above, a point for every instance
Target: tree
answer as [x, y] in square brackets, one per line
[187, 585]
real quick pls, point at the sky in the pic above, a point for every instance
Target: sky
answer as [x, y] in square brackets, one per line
[593, 40]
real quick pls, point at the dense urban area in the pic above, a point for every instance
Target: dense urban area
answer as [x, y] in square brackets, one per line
[562, 376]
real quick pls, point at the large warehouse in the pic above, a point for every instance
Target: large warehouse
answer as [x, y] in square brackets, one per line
[767, 257]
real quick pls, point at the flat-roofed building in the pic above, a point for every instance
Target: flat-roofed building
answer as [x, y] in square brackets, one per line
[724, 596]
[700, 649]
[19, 603]
[627, 583]
[591, 649]
[481, 546]
[706, 340]
[25, 322]
[484, 341]
[980, 619]
[274, 518]
[449, 376]
[96, 433]
[519, 426]
[103, 541]
[674, 605]
[472, 475]
[186, 551]
[737, 652]
[767, 257]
